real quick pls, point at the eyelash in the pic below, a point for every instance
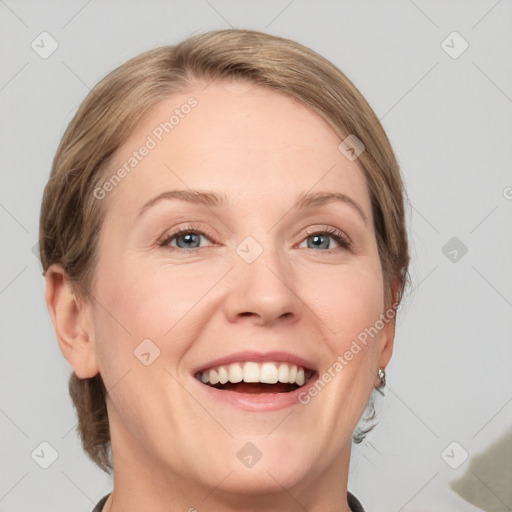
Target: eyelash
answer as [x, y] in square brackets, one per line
[335, 233]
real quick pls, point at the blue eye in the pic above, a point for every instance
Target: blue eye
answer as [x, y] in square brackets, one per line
[321, 239]
[185, 239]
[188, 239]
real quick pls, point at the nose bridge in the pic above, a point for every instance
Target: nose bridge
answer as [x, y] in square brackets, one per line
[262, 281]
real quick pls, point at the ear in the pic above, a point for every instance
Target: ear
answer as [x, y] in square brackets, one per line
[72, 323]
[387, 339]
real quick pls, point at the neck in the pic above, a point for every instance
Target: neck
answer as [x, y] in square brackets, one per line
[141, 483]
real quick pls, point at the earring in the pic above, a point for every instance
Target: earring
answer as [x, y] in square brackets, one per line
[382, 377]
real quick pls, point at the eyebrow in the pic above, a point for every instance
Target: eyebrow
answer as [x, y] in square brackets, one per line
[308, 200]
[213, 199]
[205, 198]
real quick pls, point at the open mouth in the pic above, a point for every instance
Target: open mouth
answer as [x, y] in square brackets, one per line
[256, 378]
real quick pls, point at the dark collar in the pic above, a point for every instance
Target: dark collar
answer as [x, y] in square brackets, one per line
[354, 503]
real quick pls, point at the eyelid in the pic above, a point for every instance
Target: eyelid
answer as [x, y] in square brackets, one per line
[173, 233]
[342, 239]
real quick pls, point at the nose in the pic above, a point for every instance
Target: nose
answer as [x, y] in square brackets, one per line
[261, 292]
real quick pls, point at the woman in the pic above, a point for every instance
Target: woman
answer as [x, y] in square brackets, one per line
[224, 248]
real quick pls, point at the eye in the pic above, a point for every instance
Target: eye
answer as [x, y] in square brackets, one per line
[321, 239]
[184, 239]
[189, 238]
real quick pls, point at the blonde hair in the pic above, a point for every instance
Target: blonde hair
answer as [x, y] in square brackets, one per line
[71, 214]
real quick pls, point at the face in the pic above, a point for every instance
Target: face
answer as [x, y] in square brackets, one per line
[253, 271]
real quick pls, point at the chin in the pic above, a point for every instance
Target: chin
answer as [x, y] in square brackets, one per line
[264, 479]
[260, 465]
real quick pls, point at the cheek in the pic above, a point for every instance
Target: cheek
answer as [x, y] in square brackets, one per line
[141, 302]
[347, 298]
[161, 300]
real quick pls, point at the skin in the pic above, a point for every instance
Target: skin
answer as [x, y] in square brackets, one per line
[172, 448]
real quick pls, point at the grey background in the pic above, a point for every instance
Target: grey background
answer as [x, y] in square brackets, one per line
[449, 120]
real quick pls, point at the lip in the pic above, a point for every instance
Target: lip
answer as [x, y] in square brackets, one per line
[257, 402]
[257, 357]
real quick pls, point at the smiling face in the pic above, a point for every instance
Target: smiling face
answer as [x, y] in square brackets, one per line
[276, 262]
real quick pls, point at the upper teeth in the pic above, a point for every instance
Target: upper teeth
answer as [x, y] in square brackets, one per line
[267, 373]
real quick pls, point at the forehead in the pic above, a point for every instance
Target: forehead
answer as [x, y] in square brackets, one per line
[251, 143]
